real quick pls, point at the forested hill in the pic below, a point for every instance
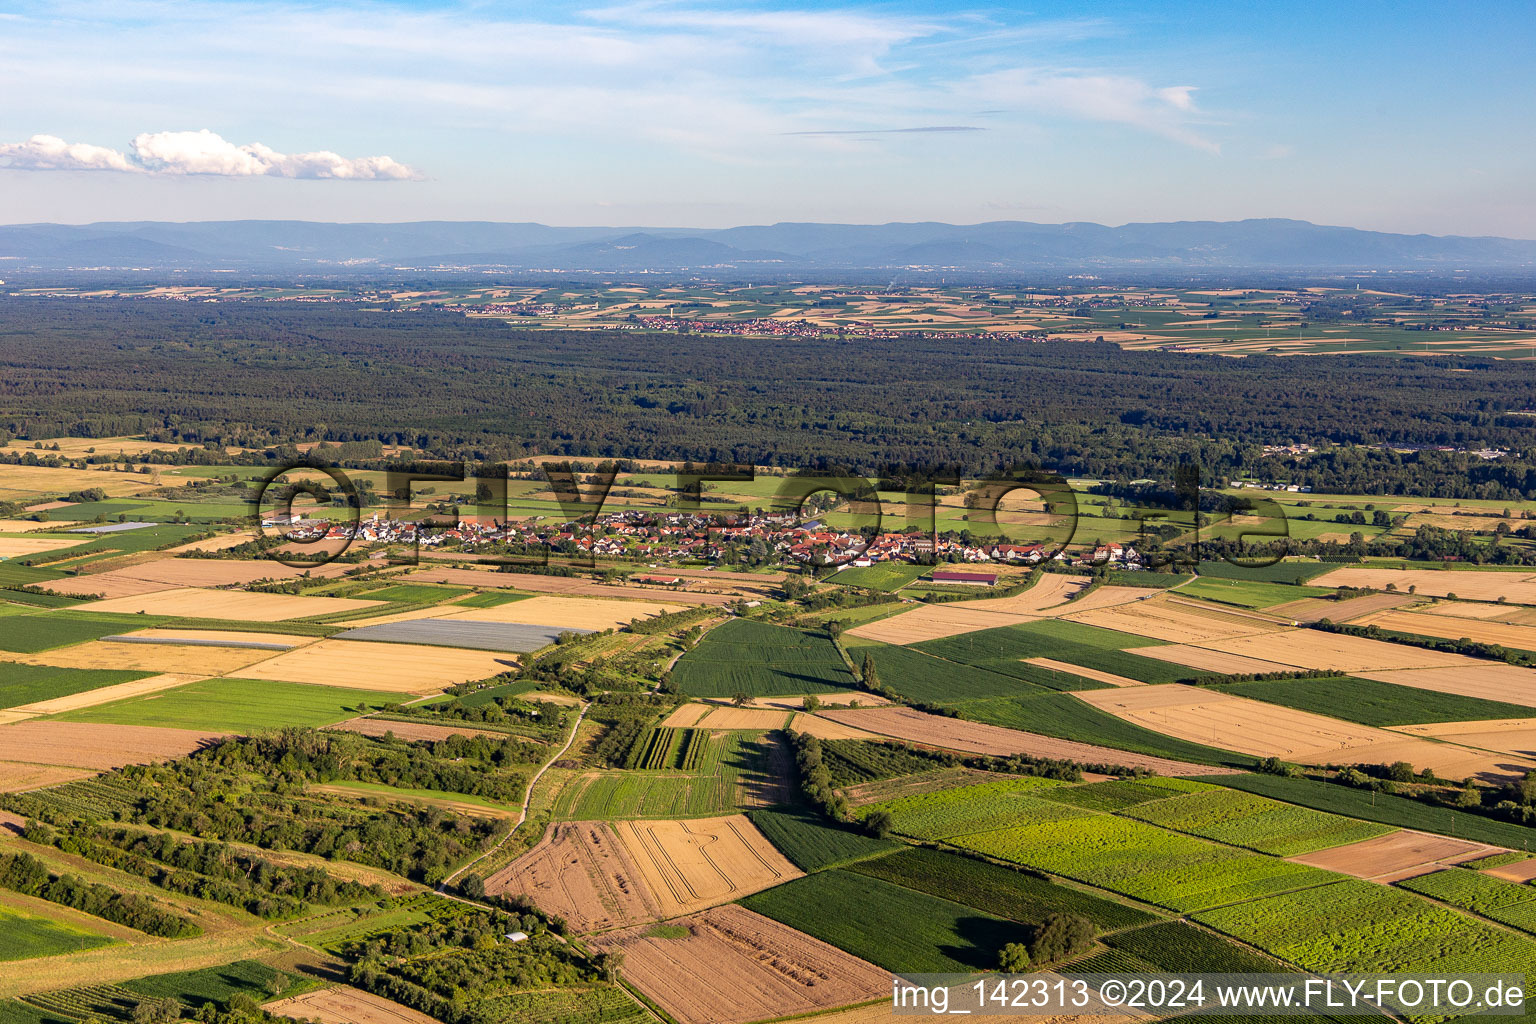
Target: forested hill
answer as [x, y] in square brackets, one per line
[257, 374]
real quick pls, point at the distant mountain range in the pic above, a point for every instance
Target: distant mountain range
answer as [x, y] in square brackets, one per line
[307, 247]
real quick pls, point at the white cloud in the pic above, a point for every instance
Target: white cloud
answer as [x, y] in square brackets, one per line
[1117, 99]
[50, 153]
[200, 152]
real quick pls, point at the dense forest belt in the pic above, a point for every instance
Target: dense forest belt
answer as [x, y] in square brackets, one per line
[264, 372]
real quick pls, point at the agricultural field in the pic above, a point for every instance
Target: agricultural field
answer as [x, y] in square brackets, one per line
[1249, 593]
[1074, 642]
[24, 936]
[760, 660]
[1242, 819]
[1006, 892]
[1353, 926]
[237, 706]
[1369, 702]
[1206, 714]
[813, 844]
[1505, 902]
[29, 684]
[1138, 860]
[885, 577]
[737, 771]
[888, 925]
[730, 965]
[955, 812]
[698, 863]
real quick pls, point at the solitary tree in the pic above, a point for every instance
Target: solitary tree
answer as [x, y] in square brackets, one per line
[1013, 958]
[879, 824]
[740, 699]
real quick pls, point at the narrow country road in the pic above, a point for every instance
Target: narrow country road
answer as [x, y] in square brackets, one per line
[522, 815]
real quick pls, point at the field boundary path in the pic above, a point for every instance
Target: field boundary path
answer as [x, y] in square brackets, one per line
[522, 814]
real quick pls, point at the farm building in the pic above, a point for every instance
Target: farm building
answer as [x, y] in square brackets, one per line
[970, 576]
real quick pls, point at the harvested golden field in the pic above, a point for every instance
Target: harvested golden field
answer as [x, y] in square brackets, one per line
[1253, 727]
[108, 694]
[568, 612]
[17, 776]
[574, 586]
[398, 668]
[32, 526]
[753, 719]
[1396, 855]
[957, 734]
[410, 730]
[826, 729]
[734, 966]
[99, 747]
[164, 573]
[1487, 612]
[686, 716]
[1162, 618]
[10, 715]
[18, 483]
[229, 540]
[1480, 585]
[1208, 661]
[199, 661]
[1313, 648]
[18, 547]
[581, 872]
[1087, 673]
[933, 621]
[1509, 735]
[1480, 630]
[346, 1005]
[1485, 679]
[1312, 609]
[222, 636]
[698, 863]
[229, 604]
[78, 447]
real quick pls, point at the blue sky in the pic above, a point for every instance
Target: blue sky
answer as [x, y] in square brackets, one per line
[1394, 116]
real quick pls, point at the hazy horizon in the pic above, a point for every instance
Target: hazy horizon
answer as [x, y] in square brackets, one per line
[704, 115]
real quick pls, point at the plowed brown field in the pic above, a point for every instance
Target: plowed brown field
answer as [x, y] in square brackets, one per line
[734, 966]
[701, 862]
[96, 746]
[580, 871]
[346, 1005]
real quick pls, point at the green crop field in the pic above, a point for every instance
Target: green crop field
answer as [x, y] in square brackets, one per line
[1508, 903]
[888, 925]
[1180, 947]
[742, 656]
[812, 844]
[238, 705]
[1248, 593]
[1360, 926]
[596, 1005]
[1113, 795]
[24, 935]
[735, 770]
[922, 677]
[1281, 572]
[414, 593]
[1066, 717]
[29, 634]
[1372, 703]
[1003, 650]
[1002, 891]
[1142, 861]
[1381, 807]
[490, 599]
[886, 576]
[220, 984]
[952, 812]
[26, 684]
[1254, 822]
